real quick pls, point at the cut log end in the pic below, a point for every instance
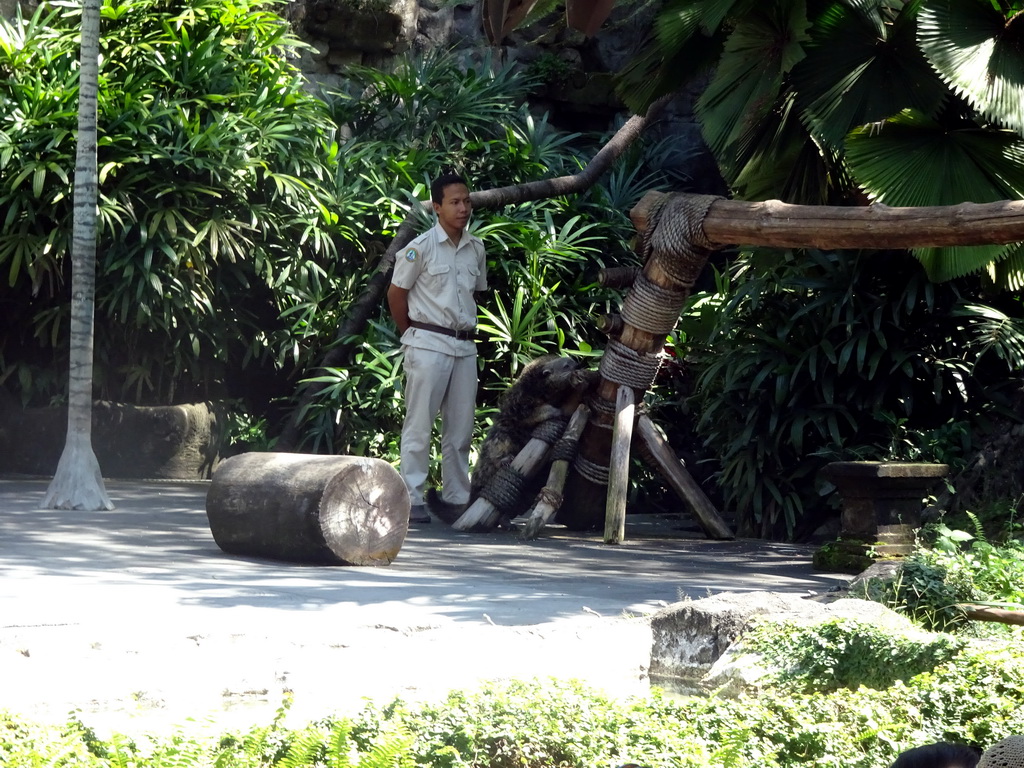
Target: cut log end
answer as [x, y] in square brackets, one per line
[343, 510]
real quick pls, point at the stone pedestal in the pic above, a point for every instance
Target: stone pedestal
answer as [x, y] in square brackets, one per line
[881, 507]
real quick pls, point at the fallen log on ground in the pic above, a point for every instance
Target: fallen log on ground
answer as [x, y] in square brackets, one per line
[341, 510]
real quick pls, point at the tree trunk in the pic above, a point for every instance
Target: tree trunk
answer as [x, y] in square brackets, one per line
[343, 510]
[988, 613]
[78, 483]
[371, 300]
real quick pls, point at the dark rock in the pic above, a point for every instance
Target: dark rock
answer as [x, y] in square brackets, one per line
[181, 442]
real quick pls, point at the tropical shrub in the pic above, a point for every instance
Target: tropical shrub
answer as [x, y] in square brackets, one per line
[835, 102]
[975, 698]
[846, 653]
[217, 217]
[542, 255]
[845, 103]
[826, 357]
[954, 568]
[240, 216]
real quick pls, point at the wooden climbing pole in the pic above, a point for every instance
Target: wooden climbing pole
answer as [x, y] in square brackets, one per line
[675, 255]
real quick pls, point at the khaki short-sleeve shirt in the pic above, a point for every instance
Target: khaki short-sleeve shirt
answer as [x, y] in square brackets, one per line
[441, 279]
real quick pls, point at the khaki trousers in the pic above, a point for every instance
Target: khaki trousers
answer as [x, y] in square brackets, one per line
[436, 382]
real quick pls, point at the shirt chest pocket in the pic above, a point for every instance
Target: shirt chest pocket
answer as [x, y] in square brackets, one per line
[468, 273]
[437, 277]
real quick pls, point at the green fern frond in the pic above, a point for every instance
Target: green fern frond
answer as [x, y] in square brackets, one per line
[393, 750]
[305, 749]
[339, 746]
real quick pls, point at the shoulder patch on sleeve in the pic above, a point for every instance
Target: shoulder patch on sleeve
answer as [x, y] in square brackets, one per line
[411, 254]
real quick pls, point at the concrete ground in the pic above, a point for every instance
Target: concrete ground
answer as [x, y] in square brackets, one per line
[135, 618]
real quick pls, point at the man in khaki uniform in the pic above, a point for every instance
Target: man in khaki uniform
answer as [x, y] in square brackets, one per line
[432, 299]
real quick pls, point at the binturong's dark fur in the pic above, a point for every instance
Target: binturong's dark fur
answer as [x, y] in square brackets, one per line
[536, 396]
[545, 390]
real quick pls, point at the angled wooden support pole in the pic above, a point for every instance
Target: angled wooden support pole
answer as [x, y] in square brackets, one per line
[661, 455]
[482, 514]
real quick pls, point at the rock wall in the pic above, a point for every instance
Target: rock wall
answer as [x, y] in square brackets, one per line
[577, 94]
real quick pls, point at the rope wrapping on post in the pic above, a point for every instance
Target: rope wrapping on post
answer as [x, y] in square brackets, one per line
[603, 409]
[595, 473]
[504, 489]
[628, 367]
[549, 431]
[677, 233]
[564, 449]
[550, 497]
[652, 308]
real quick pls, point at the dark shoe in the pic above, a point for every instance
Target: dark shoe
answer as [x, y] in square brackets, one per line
[418, 514]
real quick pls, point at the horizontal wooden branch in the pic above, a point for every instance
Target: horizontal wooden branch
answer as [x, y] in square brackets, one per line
[777, 224]
[987, 613]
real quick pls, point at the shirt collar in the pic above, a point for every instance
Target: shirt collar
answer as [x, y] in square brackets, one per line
[442, 236]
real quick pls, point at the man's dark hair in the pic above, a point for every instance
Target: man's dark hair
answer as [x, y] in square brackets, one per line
[941, 754]
[444, 180]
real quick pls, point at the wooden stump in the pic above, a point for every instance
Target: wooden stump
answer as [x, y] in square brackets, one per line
[340, 510]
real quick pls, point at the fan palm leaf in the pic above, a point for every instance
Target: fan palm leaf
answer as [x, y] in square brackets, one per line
[686, 39]
[762, 48]
[862, 64]
[1009, 270]
[502, 16]
[979, 53]
[778, 158]
[913, 160]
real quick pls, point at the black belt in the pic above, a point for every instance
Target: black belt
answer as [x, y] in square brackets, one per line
[462, 335]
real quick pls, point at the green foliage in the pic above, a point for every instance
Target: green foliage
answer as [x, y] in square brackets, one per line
[821, 358]
[542, 256]
[908, 103]
[505, 726]
[974, 695]
[216, 211]
[550, 68]
[845, 653]
[956, 568]
[241, 216]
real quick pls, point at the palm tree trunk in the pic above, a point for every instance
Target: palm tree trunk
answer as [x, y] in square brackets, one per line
[77, 483]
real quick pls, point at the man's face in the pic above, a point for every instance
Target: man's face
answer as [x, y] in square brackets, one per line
[453, 211]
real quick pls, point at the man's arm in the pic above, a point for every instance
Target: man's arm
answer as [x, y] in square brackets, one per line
[398, 304]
